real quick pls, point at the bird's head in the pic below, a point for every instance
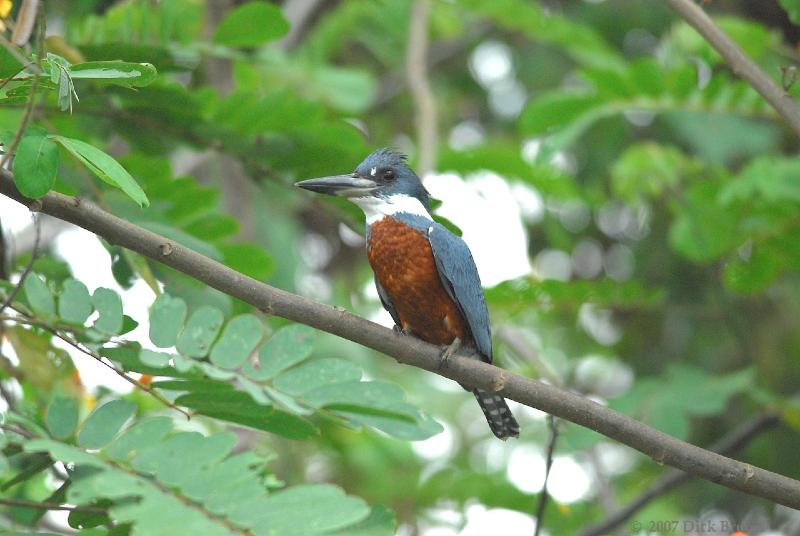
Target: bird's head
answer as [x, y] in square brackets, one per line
[382, 184]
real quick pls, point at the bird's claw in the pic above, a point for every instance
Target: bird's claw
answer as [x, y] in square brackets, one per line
[449, 351]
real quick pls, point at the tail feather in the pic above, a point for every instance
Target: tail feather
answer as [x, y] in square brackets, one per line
[499, 417]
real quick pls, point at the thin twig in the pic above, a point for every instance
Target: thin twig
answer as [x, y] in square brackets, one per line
[97, 357]
[19, 431]
[13, 78]
[513, 340]
[739, 62]
[28, 320]
[28, 267]
[417, 74]
[561, 403]
[22, 503]
[552, 426]
[728, 444]
[605, 493]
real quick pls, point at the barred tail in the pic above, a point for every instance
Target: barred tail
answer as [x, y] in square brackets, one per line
[499, 417]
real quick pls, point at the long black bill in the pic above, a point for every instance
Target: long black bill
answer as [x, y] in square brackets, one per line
[340, 185]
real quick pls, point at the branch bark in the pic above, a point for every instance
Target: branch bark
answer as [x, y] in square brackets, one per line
[663, 448]
[741, 65]
[670, 480]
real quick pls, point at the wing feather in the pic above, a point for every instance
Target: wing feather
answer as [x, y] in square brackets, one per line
[460, 278]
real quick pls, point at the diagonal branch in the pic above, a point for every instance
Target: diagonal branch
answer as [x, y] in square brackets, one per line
[741, 65]
[663, 448]
[670, 480]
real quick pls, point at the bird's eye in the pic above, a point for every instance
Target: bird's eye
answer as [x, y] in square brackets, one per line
[388, 174]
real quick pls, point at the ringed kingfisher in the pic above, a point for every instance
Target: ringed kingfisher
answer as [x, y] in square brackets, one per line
[425, 275]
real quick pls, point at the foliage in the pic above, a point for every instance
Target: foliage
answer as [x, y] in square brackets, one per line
[655, 192]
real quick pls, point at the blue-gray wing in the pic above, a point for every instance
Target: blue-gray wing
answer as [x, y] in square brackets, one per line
[387, 303]
[460, 278]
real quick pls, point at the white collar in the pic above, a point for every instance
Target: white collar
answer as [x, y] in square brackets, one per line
[376, 208]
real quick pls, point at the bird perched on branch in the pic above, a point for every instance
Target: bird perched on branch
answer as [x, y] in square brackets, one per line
[425, 275]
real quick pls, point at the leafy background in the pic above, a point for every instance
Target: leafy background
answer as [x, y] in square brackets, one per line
[654, 194]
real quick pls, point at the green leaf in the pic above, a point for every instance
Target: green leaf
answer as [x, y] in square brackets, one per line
[202, 328]
[249, 259]
[35, 165]
[109, 304]
[703, 229]
[323, 507]
[167, 316]
[580, 41]
[251, 24]
[104, 423]
[287, 347]
[138, 437]
[792, 7]
[377, 404]
[668, 402]
[131, 360]
[75, 303]
[768, 178]
[9, 64]
[314, 374]
[556, 109]
[104, 167]
[646, 170]
[381, 522]
[120, 73]
[149, 477]
[39, 297]
[154, 359]
[239, 339]
[751, 275]
[238, 407]
[62, 417]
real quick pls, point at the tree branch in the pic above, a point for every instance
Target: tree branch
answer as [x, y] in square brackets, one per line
[22, 503]
[668, 481]
[741, 65]
[411, 351]
[417, 74]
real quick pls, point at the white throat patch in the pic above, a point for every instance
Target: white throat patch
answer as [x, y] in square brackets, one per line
[376, 208]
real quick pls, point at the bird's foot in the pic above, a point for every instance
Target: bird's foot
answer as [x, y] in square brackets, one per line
[449, 351]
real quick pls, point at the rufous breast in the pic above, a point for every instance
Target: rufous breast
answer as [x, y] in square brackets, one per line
[403, 262]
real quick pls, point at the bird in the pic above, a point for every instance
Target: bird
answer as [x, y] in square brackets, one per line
[425, 275]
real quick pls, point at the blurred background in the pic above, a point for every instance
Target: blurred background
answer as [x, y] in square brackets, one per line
[633, 209]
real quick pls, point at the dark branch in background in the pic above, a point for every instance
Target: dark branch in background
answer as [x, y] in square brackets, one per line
[513, 338]
[729, 444]
[28, 267]
[26, 18]
[51, 506]
[552, 427]
[418, 84]
[662, 448]
[439, 52]
[741, 65]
